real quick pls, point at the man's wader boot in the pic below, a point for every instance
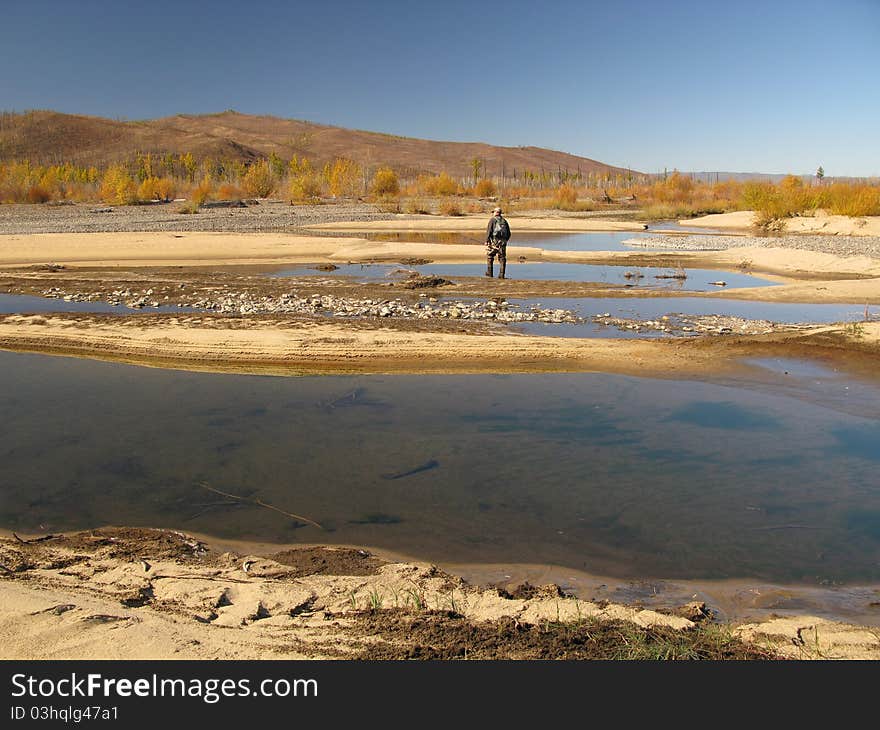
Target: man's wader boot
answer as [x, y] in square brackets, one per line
[502, 265]
[489, 261]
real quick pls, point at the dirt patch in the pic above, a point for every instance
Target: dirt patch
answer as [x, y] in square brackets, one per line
[329, 561]
[111, 543]
[395, 634]
[526, 591]
[425, 282]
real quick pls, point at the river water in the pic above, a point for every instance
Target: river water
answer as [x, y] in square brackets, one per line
[772, 480]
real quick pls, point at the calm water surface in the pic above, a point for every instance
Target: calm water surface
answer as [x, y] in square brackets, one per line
[589, 241]
[24, 303]
[651, 277]
[608, 474]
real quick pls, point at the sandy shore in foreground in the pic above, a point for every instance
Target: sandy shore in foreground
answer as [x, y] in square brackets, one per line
[133, 593]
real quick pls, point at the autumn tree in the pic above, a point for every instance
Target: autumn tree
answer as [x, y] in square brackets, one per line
[343, 177]
[385, 183]
[258, 181]
[118, 187]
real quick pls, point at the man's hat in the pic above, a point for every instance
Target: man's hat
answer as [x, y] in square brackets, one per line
[497, 210]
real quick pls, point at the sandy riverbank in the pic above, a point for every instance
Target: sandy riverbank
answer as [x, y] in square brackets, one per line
[290, 346]
[820, 223]
[126, 593]
[825, 271]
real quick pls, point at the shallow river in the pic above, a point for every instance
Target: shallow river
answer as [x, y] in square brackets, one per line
[607, 474]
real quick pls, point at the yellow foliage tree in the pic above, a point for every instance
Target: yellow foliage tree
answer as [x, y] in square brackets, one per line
[385, 183]
[118, 187]
[156, 188]
[258, 181]
[189, 165]
[305, 187]
[343, 177]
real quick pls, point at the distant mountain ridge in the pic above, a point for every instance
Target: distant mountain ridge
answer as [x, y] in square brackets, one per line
[50, 137]
[773, 177]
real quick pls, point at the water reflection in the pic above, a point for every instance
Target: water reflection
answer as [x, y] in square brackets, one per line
[608, 474]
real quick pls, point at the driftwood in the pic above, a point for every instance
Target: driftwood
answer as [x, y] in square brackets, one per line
[260, 503]
[35, 539]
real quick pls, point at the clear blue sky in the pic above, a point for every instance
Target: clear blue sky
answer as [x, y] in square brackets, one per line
[740, 85]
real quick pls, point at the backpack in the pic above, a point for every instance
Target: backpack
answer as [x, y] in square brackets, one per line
[500, 229]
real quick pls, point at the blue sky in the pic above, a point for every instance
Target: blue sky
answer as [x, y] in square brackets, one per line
[742, 85]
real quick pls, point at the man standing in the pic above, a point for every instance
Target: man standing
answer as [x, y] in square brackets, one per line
[497, 235]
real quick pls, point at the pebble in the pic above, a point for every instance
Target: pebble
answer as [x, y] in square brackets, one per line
[269, 215]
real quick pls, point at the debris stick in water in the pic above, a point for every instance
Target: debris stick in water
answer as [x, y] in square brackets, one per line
[261, 503]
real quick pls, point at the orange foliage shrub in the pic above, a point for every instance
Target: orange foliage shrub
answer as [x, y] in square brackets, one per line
[38, 194]
[228, 191]
[156, 188]
[485, 188]
[450, 207]
[441, 185]
[203, 191]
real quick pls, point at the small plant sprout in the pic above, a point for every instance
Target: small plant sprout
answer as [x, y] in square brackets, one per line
[376, 600]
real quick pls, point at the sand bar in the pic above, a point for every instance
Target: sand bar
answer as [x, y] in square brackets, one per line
[478, 224]
[819, 223]
[274, 345]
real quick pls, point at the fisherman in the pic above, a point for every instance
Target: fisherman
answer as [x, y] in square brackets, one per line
[497, 235]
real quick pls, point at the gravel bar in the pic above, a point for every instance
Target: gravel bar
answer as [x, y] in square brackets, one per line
[254, 216]
[838, 245]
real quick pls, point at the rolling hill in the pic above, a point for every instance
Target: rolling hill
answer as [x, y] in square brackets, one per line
[50, 137]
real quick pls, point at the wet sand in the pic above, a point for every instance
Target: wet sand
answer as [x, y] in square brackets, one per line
[278, 345]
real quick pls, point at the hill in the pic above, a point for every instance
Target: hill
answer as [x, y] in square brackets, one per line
[52, 137]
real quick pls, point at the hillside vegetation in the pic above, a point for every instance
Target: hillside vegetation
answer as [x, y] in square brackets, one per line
[47, 156]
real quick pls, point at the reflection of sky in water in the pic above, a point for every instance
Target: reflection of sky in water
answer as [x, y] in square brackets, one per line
[696, 279]
[655, 307]
[590, 241]
[13, 303]
[585, 241]
[725, 415]
[608, 474]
